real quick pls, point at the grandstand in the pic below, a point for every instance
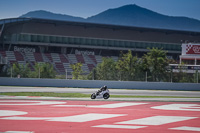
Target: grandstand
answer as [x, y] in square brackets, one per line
[61, 43]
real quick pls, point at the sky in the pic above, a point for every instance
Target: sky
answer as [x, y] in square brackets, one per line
[88, 8]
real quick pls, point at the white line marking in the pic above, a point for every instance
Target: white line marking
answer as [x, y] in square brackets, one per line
[11, 113]
[69, 105]
[18, 132]
[186, 128]
[185, 107]
[119, 126]
[23, 102]
[157, 120]
[116, 105]
[26, 118]
[85, 117]
[75, 118]
[113, 105]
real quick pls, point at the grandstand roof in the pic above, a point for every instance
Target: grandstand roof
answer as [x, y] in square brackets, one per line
[141, 29]
[36, 31]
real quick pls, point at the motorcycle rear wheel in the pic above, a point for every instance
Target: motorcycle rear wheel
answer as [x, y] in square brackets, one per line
[93, 96]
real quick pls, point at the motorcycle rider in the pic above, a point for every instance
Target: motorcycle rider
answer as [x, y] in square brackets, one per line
[103, 88]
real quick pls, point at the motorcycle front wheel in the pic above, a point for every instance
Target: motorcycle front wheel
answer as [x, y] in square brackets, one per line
[106, 96]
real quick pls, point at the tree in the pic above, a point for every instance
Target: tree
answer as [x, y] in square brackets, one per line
[155, 61]
[77, 70]
[43, 70]
[19, 69]
[183, 76]
[127, 66]
[106, 70]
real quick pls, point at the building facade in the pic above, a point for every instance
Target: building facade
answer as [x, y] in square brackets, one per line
[57, 41]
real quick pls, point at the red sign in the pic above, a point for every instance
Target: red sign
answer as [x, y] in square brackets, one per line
[192, 49]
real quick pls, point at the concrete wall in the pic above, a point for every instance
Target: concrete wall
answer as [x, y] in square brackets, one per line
[98, 84]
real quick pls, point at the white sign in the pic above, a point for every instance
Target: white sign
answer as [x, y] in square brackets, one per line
[86, 52]
[24, 50]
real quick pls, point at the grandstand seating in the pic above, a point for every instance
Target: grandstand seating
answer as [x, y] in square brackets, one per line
[55, 57]
[38, 57]
[90, 67]
[98, 59]
[67, 67]
[92, 57]
[115, 58]
[10, 55]
[80, 58]
[49, 57]
[72, 58]
[63, 59]
[19, 56]
[29, 56]
[61, 62]
[3, 53]
[60, 67]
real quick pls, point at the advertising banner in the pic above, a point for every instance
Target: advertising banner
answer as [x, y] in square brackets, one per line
[191, 49]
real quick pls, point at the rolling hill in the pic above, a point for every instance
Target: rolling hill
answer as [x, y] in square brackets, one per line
[128, 15]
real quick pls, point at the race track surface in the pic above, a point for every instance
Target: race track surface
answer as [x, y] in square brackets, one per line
[54, 116]
[112, 91]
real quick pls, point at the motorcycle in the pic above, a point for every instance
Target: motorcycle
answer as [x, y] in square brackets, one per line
[101, 94]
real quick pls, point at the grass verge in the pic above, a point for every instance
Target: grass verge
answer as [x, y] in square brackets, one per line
[80, 95]
[45, 94]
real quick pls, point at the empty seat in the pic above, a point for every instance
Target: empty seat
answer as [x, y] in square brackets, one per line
[38, 57]
[80, 59]
[48, 55]
[63, 59]
[19, 56]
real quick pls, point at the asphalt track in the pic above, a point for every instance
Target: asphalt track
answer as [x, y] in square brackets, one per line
[112, 91]
[54, 116]
[25, 114]
[194, 95]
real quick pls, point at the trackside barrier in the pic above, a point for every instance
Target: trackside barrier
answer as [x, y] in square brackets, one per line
[98, 83]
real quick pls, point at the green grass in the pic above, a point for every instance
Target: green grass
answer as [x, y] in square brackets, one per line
[128, 96]
[45, 94]
[80, 95]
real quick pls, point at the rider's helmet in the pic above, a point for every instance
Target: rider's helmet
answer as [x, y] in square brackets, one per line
[105, 87]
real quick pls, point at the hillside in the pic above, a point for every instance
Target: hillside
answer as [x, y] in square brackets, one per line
[128, 15]
[49, 15]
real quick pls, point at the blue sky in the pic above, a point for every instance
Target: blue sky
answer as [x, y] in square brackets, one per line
[87, 8]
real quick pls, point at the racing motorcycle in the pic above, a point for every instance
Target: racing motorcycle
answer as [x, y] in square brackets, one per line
[101, 94]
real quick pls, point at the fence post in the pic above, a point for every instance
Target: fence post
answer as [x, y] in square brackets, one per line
[66, 73]
[11, 72]
[39, 73]
[146, 76]
[171, 75]
[197, 76]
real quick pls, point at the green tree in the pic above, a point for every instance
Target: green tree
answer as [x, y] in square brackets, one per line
[43, 70]
[106, 70]
[4, 71]
[77, 70]
[155, 62]
[19, 69]
[127, 66]
[183, 76]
